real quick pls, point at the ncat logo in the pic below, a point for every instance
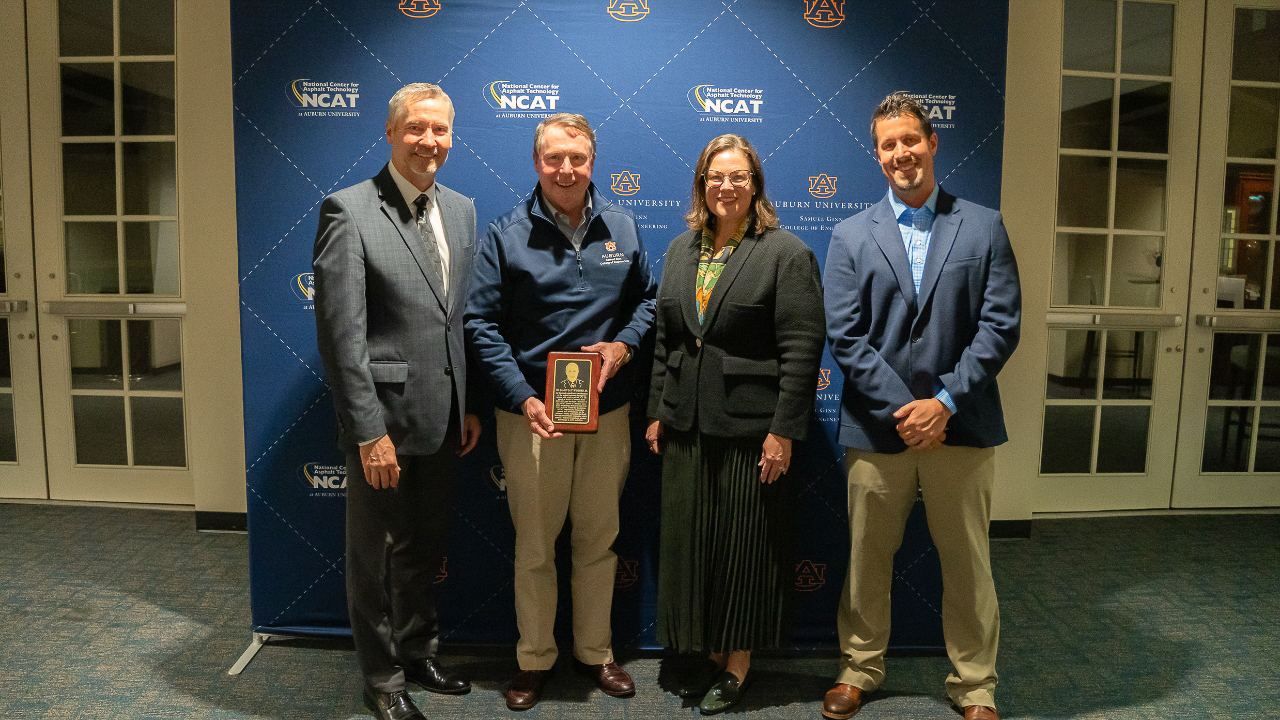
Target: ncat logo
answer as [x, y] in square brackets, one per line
[305, 93]
[822, 186]
[810, 575]
[627, 573]
[521, 99]
[498, 476]
[624, 183]
[304, 286]
[628, 10]
[824, 378]
[419, 8]
[727, 104]
[323, 479]
[824, 13]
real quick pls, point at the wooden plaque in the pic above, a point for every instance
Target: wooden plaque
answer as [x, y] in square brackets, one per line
[572, 401]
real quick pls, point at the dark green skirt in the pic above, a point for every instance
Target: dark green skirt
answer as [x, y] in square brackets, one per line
[725, 576]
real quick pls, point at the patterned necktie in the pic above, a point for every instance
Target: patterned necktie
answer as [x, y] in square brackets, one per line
[428, 237]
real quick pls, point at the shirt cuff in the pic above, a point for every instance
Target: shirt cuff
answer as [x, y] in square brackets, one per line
[944, 397]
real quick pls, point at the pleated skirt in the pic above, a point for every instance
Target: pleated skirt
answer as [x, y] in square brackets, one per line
[725, 575]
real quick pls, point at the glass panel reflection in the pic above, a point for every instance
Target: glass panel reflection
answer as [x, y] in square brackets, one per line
[1266, 456]
[146, 91]
[84, 27]
[1140, 194]
[99, 429]
[1068, 439]
[1084, 187]
[1233, 374]
[1135, 271]
[155, 354]
[1226, 439]
[1246, 200]
[1147, 46]
[1131, 364]
[6, 368]
[92, 261]
[1144, 116]
[149, 179]
[1252, 128]
[1256, 50]
[1079, 264]
[146, 27]
[1122, 438]
[88, 99]
[97, 360]
[158, 437]
[1086, 113]
[1271, 369]
[89, 178]
[8, 436]
[1089, 35]
[1073, 364]
[1243, 265]
[151, 257]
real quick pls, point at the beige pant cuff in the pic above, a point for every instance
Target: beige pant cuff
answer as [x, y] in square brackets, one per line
[982, 696]
[858, 679]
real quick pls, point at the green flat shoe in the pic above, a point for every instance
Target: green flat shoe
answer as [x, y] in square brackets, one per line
[724, 693]
[698, 678]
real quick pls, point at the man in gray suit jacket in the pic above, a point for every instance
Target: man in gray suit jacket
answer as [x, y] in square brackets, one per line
[392, 264]
[923, 309]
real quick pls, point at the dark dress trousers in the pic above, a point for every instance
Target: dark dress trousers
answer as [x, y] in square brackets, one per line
[391, 341]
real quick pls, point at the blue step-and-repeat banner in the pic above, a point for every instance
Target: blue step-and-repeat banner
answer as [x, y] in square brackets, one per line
[657, 79]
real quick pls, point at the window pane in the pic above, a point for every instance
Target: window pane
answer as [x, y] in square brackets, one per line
[96, 358]
[89, 178]
[92, 263]
[155, 354]
[1086, 112]
[1144, 116]
[151, 257]
[1068, 439]
[147, 95]
[1089, 35]
[1247, 199]
[8, 438]
[1267, 456]
[1148, 39]
[1252, 128]
[84, 27]
[1256, 51]
[1135, 271]
[1079, 264]
[88, 99]
[1122, 439]
[158, 437]
[6, 367]
[1271, 369]
[149, 184]
[146, 27]
[1073, 364]
[1226, 439]
[1235, 366]
[99, 428]
[1084, 185]
[1140, 194]
[1130, 364]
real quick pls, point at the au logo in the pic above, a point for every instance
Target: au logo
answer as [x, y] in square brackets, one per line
[824, 378]
[628, 10]
[625, 183]
[444, 571]
[824, 13]
[822, 186]
[611, 246]
[627, 573]
[810, 575]
[419, 8]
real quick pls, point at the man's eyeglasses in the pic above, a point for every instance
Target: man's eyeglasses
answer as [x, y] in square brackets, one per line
[737, 178]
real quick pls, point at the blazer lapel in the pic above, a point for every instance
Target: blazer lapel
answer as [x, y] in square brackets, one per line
[402, 218]
[946, 225]
[889, 238]
[725, 281]
[451, 218]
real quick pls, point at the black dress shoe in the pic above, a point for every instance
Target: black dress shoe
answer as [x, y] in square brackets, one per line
[724, 693]
[432, 677]
[697, 679]
[392, 706]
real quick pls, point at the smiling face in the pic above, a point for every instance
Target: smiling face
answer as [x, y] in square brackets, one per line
[729, 204]
[906, 157]
[420, 140]
[571, 372]
[564, 167]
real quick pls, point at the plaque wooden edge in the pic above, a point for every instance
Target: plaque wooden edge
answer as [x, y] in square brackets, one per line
[593, 413]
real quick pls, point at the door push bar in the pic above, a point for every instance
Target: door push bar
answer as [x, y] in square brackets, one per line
[90, 307]
[8, 307]
[1114, 320]
[1239, 322]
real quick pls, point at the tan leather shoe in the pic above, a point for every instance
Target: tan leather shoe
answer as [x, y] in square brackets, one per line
[610, 678]
[980, 712]
[842, 702]
[525, 689]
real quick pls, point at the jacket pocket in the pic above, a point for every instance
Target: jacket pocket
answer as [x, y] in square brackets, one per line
[389, 371]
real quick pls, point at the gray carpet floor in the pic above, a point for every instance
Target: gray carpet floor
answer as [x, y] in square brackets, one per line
[131, 614]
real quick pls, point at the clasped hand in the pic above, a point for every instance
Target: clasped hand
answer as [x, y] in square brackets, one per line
[922, 424]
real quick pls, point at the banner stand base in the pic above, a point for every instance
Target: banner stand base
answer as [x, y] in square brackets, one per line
[259, 639]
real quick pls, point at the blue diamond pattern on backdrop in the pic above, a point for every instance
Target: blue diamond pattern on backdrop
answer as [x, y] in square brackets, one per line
[657, 79]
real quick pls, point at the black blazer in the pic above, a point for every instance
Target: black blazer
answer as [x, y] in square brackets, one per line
[752, 367]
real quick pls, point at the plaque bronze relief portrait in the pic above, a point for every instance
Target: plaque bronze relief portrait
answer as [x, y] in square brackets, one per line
[573, 403]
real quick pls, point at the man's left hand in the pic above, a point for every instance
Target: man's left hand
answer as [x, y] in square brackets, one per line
[470, 434]
[922, 423]
[613, 356]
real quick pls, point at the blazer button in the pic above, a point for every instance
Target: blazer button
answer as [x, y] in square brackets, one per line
[448, 327]
[697, 341]
[915, 339]
[448, 370]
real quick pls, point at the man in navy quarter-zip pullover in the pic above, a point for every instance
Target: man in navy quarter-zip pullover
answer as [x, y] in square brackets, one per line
[563, 271]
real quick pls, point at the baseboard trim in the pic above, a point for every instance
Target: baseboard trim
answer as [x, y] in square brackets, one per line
[221, 521]
[1010, 529]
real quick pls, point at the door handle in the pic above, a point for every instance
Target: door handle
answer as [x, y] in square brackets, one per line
[1239, 322]
[9, 307]
[1114, 319]
[92, 307]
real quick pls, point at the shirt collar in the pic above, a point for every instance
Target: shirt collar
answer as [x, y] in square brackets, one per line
[560, 218]
[407, 189]
[900, 207]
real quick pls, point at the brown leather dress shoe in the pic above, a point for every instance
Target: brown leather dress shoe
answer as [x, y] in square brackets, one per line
[980, 712]
[525, 689]
[842, 702]
[610, 678]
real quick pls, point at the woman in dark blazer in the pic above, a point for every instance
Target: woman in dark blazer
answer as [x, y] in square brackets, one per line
[739, 337]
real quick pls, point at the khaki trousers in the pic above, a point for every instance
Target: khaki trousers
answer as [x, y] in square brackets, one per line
[579, 477]
[956, 484]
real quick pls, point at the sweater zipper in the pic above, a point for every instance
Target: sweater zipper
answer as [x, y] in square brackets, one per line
[582, 283]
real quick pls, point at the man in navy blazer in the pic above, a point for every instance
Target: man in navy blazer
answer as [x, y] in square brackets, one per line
[923, 309]
[392, 263]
